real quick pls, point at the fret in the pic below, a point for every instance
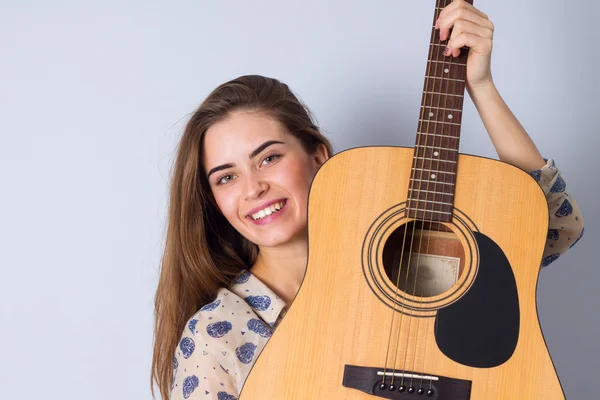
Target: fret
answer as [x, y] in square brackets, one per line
[437, 172]
[435, 147]
[439, 122]
[440, 117]
[446, 72]
[437, 134]
[449, 190]
[444, 87]
[423, 153]
[434, 211]
[427, 197]
[441, 183]
[445, 94]
[431, 191]
[439, 100]
[442, 108]
[434, 178]
[439, 129]
[431, 201]
[443, 77]
[447, 62]
[436, 159]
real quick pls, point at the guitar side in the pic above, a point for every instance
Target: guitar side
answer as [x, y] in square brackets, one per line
[344, 312]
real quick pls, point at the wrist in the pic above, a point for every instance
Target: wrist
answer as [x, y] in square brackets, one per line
[481, 88]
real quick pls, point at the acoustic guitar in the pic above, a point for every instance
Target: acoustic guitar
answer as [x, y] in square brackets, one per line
[422, 272]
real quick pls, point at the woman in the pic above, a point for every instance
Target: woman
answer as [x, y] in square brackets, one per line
[236, 246]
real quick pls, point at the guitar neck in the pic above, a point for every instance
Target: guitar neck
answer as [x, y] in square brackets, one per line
[433, 174]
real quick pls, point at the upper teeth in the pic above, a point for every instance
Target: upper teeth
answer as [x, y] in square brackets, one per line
[268, 210]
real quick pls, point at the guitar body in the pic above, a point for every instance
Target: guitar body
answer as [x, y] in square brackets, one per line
[476, 338]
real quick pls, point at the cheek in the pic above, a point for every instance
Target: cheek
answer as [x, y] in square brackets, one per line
[299, 180]
[227, 205]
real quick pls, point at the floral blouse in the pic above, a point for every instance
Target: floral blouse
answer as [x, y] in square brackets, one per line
[221, 342]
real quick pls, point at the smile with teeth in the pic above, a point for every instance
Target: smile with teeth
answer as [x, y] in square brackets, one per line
[272, 209]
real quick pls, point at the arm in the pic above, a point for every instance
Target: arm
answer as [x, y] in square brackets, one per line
[472, 28]
[565, 224]
[510, 139]
[197, 374]
[514, 146]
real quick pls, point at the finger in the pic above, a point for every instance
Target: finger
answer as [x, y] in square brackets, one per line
[447, 22]
[474, 42]
[464, 26]
[456, 5]
[461, 4]
[471, 7]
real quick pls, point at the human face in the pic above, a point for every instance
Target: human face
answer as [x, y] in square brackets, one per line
[252, 163]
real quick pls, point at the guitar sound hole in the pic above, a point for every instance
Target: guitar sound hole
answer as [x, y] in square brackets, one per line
[431, 254]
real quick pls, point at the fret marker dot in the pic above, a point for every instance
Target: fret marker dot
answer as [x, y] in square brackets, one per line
[431, 114]
[446, 70]
[435, 153]
[432, 176]
[449, 116]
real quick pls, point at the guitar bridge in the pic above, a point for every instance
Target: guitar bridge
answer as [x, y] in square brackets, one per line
[406, 384]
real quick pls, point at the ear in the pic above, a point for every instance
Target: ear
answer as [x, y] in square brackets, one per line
[320, 155]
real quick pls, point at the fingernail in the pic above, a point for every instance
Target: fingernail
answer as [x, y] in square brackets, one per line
[446, 50]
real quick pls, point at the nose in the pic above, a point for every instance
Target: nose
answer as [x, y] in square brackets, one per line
[255, 187]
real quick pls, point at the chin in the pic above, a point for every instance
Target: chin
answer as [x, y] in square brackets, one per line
[279, 238]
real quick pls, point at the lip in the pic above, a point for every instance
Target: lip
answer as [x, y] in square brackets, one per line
[262, 206]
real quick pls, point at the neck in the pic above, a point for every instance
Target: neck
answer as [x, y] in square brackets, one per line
[433, 177]
[282, 268]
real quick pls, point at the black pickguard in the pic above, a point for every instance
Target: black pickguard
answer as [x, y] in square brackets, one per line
[481, 329]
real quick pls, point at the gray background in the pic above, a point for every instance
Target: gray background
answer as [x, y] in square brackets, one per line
[94, 95]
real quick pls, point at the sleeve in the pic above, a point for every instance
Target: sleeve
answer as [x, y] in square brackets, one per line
[197, 373]
[565, 224]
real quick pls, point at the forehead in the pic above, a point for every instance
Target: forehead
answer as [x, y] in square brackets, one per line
[233, 139]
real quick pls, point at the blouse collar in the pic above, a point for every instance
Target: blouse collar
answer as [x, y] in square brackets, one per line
[263, 300]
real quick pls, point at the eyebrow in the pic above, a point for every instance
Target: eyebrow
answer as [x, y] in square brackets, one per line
[254, 153]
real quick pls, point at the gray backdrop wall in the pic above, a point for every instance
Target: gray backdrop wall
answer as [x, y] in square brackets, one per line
[94, 95]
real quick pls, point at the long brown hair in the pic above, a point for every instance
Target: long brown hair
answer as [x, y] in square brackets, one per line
[203, 252]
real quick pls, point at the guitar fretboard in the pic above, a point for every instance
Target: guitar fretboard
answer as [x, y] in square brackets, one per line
[433, 173]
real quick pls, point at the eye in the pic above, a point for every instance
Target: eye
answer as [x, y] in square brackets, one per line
[270, 158]
[224, 179]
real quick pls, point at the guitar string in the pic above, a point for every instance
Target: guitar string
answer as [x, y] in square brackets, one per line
[431, 170]
[410, 249]
[393, 314]
[435, 191]
[397, 288]
[441, 275]
[452, 85]
[431, 50]
[437, 40]
[410, 253]
[423, 155]
[461, 73]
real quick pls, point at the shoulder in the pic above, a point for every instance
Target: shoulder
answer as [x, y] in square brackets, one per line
[198, 371]
[224, 334]
[565, 224]
[550, 179]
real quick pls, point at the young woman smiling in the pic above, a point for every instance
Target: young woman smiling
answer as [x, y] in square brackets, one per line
[236, 243]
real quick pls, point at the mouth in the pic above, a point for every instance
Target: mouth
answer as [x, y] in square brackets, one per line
[268, 211]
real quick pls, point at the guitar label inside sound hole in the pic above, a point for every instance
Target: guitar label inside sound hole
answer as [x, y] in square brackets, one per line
[423, 258]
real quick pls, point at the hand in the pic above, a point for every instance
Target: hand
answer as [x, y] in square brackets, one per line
[472, 28]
